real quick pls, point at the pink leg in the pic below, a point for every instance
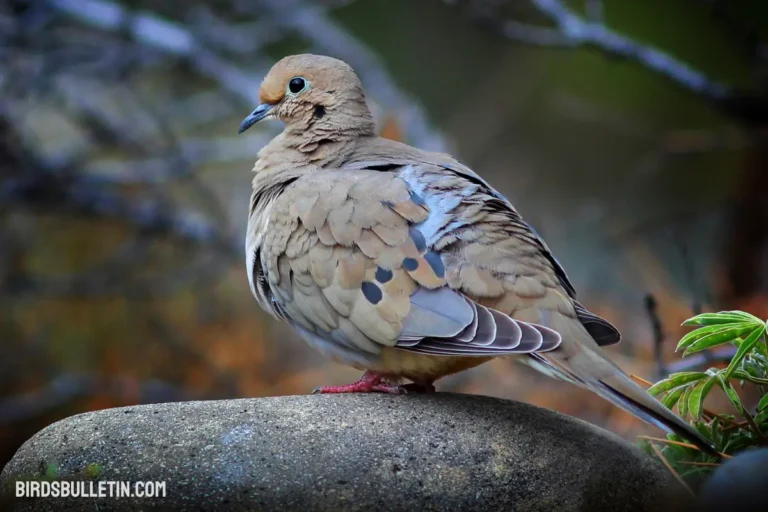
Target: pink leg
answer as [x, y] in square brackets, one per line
[370, 382]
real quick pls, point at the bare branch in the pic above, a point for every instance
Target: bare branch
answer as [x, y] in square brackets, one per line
[532, 34]
[698, 361]
[166, 36]
[87, 195]
[575, 31]
[596, 34]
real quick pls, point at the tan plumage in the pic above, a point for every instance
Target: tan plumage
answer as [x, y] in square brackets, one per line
[402, 262]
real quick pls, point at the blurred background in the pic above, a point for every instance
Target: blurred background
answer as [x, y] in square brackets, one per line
[631, 133]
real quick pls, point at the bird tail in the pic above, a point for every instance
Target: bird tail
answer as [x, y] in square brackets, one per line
[579, 359]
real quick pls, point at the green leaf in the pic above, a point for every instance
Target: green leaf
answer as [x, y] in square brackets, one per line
[732, 395]
[746, 316]
[675, 380]
[741, 374]
[51, 471]
[671, 398]
[763, 403]
[752, 367]
[744, 348]
[94, 470]
[682, 405]
[738, 443]
[717, 338]
[674, 451]
[697, 396]
[762, 350]
[716, 431]
[724, 317]
[703, 429]
[697, 334]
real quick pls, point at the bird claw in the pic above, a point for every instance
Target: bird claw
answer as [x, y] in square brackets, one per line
[356, 388]
[369, 383]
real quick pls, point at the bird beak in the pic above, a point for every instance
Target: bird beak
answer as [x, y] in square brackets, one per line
[257, 115]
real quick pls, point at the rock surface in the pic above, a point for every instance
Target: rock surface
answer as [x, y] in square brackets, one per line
[343, 452]
[738, 484]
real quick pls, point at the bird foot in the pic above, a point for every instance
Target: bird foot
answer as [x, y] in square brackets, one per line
[370, 382]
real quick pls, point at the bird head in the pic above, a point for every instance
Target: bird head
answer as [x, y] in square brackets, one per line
[308, 90]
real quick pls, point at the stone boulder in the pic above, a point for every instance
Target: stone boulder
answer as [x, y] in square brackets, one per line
[419, 452]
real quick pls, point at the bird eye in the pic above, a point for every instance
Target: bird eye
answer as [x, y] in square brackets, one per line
[296, 85]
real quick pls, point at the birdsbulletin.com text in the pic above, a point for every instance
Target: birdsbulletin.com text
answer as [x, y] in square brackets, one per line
[89, 489]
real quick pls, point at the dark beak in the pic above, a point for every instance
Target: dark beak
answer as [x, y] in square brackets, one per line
[257, 115]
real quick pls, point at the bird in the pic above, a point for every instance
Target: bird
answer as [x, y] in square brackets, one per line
[405, 263]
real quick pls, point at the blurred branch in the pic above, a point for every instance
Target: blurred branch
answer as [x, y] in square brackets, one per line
[166, 36]
[698, 294]
[572, 31]
[158, 169]
[531, 34]
[690, 363]
[50, 188]
[32, 183]
[698, 361]
[651, 307]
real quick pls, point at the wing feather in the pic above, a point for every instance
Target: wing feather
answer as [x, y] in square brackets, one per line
[413, 257]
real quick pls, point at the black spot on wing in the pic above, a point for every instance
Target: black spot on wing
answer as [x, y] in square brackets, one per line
[436, 263]
[418, 239]
[371, 292]
[417, 199]
[383, 275]
[410, 264]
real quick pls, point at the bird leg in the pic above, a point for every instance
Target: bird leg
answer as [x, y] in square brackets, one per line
[370, 382]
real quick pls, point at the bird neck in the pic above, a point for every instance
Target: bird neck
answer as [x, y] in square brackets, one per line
[329, 127]
[291, 151]
[317, 144]
[330, 120]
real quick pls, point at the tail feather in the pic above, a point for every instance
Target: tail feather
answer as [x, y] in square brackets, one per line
[644, 406]
[579, 359]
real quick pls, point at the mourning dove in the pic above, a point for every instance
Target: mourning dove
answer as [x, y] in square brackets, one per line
[405, 263]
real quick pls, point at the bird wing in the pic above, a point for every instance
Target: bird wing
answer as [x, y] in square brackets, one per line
[500, 258]
[346, 259]
[492, 256]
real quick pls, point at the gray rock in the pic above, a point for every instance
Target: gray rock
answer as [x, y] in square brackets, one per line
[343, 452]
[738, 484]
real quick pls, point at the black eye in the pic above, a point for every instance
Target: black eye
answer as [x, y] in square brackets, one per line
[296, 85]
